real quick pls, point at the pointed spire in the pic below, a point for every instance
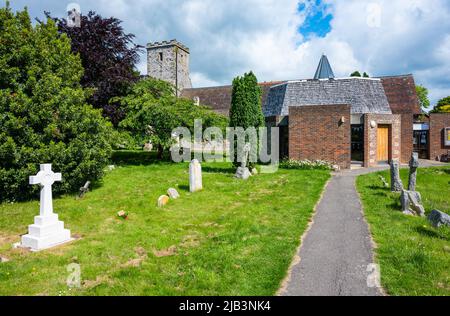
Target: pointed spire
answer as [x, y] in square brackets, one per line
[324, 70]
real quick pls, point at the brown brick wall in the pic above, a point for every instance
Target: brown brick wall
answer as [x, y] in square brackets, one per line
[438, 122]
[407, 137]
[316, 133]
[370, 137]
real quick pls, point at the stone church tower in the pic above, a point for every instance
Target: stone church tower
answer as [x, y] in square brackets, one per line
[169, 61]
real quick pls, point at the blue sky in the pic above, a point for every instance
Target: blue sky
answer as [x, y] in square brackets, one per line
[284, 39]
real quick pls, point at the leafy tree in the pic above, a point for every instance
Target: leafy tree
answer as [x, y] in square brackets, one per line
[153, 112]
[44, 117]
[443, 106]
[366, 75]
[108, 56]
[355, 74]
[422, 94]
[246, 109]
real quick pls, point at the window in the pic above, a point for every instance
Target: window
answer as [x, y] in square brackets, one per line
[160, 56]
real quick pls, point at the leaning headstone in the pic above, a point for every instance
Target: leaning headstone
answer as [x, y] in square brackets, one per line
[396, 181]
[411, 203]
[84, 189]
[163, 200]
[438, 219]
[195, 176]
[173, 194]
[413, 165]
[47, 230]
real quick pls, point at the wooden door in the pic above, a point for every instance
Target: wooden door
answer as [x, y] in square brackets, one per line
[383, 143]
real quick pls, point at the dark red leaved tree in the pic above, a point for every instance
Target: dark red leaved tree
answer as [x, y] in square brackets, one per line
[109, 57]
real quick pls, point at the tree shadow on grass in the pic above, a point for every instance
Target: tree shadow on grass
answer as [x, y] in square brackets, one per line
[228, 170]
[138, 158]
[184, 187]
[433, 233]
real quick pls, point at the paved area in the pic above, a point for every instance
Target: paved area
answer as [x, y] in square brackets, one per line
[337, 250]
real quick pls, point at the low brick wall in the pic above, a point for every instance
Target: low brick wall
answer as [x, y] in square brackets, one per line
[370, 137]
[317, 133]
[438, 122]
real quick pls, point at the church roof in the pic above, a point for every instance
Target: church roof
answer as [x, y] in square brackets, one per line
[219, 98]
[401, 94]
[324, 70]
[363, 95]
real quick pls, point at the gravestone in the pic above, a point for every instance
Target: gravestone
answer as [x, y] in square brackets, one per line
[163, 200]
[84, 189]
[413, 165]
[47, 230]
[195, 176]
[243, 172]
[411, 203]
[438, 219]
[173, 194]
[396, 181]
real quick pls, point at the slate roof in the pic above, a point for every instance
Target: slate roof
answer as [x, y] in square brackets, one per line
[363, 95]
[324, 70]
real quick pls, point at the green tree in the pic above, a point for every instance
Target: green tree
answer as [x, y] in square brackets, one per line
[246, 109]
[44, 117]
[443, 106]
[355, 74]
[422, 94]
[153, 112]
[366, 75]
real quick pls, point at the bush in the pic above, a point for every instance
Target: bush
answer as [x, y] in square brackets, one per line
[43, 114]
[306, 165]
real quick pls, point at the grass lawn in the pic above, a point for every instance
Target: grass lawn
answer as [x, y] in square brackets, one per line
[233, 238]
[414, 257]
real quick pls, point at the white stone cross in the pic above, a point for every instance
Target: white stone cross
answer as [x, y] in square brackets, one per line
[47, 231]
[45, 178]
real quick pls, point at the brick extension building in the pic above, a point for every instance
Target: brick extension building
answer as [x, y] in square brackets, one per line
[340, 120]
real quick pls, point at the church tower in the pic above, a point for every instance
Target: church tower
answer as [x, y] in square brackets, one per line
[169, 61]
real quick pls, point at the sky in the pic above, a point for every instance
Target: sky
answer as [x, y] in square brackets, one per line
[284, 39]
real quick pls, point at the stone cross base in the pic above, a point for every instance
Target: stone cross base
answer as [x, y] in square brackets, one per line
[46, 232]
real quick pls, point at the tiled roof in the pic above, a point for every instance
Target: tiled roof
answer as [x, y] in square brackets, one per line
[363, 95]
[219, 98]
[401, 94]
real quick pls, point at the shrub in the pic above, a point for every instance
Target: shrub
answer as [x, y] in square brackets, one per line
[43, 114]
[306, 165]
[153, 112]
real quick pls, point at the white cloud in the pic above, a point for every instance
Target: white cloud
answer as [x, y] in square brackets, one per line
[230, 37]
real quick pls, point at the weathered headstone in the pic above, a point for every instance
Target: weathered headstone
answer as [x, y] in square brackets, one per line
[148, 147]
[243, 172]
[195, 176]
[173, 193]
[413, 165]
[396, 181]
[438, 219]
[163, 200]
[411, 203]
[47, 230]
[84, 189]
